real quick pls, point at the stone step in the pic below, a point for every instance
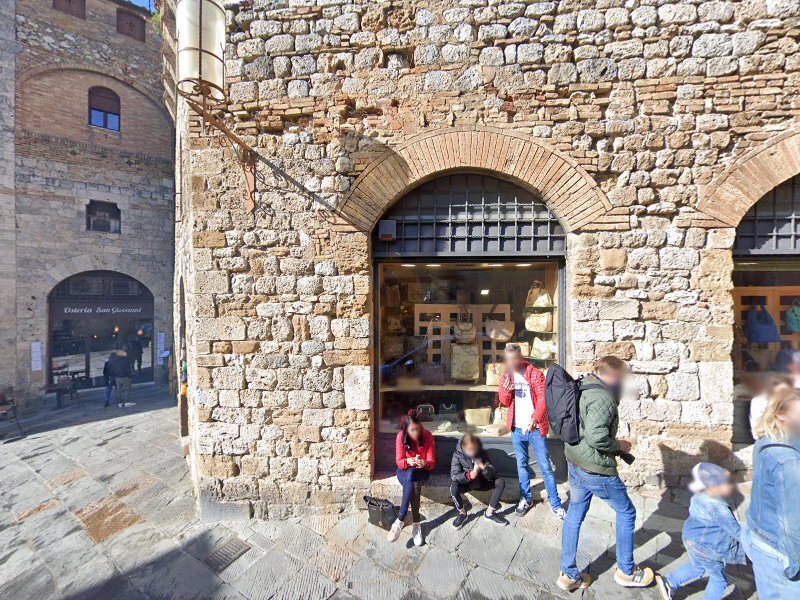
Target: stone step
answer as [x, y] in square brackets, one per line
[437, 490]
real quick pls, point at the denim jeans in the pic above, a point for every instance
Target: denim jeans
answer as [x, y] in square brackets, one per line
[697, 569]
[521, 441]
[768, 567]
[108, 393]
[583, 486]
[411, 479]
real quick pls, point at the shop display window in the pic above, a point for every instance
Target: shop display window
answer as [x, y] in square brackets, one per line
[442, 330]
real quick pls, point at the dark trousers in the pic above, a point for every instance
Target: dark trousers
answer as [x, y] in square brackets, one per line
[411, 479]
[481, 484]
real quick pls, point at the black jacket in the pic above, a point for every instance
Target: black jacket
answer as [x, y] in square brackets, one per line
[461, 463]
[120, 366]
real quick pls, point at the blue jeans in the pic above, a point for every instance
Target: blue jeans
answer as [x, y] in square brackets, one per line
[108, 393]
[697, 568]
[521, 441]
[411, 479]
[583, 486]
[768, 567]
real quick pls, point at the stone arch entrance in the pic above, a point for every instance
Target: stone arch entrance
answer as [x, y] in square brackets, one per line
[567, 189]
[751, 177]
[90, 315]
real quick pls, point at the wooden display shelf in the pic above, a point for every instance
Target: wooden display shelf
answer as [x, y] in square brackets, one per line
[447, 387]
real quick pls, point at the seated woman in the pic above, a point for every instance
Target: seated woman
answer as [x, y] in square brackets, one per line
[471, 469]
[415, 455]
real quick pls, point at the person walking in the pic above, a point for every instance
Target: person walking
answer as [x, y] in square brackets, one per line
[521, 389]
[135, 353]
[120, 368]
[471, 470]
[771, 537]
[109, 379]
[415, 455]
[593, 472]
[710, 535]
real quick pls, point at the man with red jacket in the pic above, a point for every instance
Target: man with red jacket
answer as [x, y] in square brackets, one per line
[521, 389]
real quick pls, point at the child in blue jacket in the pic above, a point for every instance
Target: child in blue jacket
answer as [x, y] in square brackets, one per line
[710, 535]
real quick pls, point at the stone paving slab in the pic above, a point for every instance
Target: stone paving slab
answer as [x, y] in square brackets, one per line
[97, 504]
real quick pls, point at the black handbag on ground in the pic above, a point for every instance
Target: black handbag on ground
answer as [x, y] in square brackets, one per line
[380, 512]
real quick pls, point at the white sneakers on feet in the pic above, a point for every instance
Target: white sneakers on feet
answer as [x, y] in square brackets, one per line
[416, 534]
[523, 506]
[560, 513]
[394, 532]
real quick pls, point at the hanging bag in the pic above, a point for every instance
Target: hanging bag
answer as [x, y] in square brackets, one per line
[494, 370]
[760, 327]
[793, 317]
[499, 331]
[465, 362]
[380, 512]
[541, 322]
[464, 329]
[538, 296]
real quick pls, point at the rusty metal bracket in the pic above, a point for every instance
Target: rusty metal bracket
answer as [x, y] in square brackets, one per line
[242, 151]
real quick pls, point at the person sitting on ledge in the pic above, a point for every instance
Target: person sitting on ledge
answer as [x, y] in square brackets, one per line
[472, 470]
[415, 454]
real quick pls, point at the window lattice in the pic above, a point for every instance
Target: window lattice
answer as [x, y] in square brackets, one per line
[468, 215]
[772, 225]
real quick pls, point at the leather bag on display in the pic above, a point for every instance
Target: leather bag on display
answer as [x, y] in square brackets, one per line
[538, 296]
[494, 370]
[499, 331]
[760, 327]
[539, 321]
[465, 362]
[464, 330]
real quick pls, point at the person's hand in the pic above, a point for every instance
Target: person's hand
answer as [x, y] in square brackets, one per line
[507, 383]
[624, 445]
[421, 463]
[475, 472]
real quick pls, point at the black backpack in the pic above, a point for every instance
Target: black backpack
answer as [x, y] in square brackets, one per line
[562, 396]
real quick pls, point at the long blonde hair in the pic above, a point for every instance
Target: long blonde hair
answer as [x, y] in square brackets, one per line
[769, 425]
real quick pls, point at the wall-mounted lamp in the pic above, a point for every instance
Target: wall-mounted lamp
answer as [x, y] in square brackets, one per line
[200, 29]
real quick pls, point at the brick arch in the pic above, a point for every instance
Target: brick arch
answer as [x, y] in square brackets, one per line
[568, 190]
[729, 196]
[33, 72]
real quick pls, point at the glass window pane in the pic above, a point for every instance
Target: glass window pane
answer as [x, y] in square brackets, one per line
[113, 121]
[96, 118]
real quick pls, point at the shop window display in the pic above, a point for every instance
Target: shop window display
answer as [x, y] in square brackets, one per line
[443, 329]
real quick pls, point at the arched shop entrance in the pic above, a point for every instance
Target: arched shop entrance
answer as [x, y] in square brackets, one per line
[767, 283]
[90, 315]
[451, 254]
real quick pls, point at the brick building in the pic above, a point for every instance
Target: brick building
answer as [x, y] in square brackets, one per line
[597, 176]
[87, 216]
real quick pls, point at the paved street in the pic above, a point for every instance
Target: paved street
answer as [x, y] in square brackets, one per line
[97, 504]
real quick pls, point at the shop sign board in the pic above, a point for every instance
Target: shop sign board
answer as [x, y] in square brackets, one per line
[89, 310]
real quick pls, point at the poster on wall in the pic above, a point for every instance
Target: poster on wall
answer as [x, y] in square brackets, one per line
[36, 356]
[160, 341]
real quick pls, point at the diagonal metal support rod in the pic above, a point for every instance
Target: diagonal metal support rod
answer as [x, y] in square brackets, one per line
[241, 150]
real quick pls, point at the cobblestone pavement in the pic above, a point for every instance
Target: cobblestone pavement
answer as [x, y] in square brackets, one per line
[97, 503]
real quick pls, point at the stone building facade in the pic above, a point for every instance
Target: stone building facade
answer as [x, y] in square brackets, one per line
[648, 127]
[57, 161]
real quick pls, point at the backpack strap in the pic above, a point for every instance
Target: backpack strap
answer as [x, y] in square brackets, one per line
[777, 445]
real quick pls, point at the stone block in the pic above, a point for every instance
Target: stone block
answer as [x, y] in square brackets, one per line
[220, 328]
[618, 309]
[358, 387]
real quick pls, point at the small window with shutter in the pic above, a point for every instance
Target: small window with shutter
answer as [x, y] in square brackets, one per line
[103, 216]
[104, 108]
[130, 24]
[76, 8]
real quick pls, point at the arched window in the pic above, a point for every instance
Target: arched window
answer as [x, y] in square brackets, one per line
[104, 109]
[772, 225]
[76, 8]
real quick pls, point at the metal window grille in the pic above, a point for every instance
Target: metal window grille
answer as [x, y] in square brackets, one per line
[466, 215]
[772, 225]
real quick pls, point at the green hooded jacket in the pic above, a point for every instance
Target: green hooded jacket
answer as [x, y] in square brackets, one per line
[599, 420]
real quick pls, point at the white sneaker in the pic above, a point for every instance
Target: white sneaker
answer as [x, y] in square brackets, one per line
[523, 506]
[130, 404]
[121, 405]
[560, 513]
[416, 534]
[394, 532]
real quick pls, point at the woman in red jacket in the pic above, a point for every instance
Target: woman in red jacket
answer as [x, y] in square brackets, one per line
[522, 389]
[415, 455]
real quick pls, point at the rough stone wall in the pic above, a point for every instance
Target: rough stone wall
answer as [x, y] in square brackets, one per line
[8, 51]
[653, 99]
[61, 164]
